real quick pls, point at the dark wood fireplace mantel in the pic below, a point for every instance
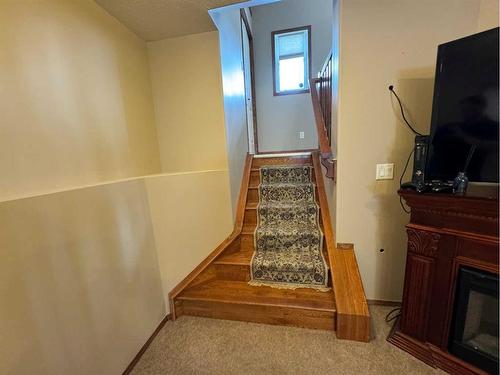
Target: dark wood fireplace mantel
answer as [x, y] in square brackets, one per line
[445, 232]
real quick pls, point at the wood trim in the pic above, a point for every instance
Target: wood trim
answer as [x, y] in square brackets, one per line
[238, 226]
[453, 232]
[353, 315]
[252, 74]
[345, 246]
[311, 150]
[304, 91]
[145, 347]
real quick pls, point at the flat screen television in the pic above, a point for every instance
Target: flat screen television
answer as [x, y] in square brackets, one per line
[465, 110]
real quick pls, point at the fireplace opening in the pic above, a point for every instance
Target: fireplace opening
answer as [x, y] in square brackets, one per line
[474, 333]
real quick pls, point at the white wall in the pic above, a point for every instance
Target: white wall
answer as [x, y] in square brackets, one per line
[227, 21]
[330, 185]
[387, 42]
[281, 118]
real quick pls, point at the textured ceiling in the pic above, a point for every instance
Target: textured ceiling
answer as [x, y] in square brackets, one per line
[160, 19]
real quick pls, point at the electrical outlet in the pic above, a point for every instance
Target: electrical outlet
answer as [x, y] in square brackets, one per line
[301, 135]
[385, 172]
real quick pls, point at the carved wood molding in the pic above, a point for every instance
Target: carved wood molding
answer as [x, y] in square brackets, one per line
[449, 212]
[423, 243]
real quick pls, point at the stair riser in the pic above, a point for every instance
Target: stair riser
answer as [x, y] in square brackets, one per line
[234, 247]
[255, 178]
[247, 242]
[253, 195]
[251, 217]
[292, 160]
[237, 272]
[232, 272]
[250, 227]
[278, 315]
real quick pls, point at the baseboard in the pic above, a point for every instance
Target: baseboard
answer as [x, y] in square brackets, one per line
[138, 356]
[380, 302]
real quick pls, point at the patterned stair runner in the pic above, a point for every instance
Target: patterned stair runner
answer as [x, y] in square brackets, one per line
[288, 238]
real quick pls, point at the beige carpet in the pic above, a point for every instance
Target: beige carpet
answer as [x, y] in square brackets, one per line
[207, 346]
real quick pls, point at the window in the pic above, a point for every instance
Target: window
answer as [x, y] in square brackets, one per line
[291, 64]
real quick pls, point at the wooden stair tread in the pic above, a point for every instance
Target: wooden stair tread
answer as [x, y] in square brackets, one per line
[238, 292]
[241, 258]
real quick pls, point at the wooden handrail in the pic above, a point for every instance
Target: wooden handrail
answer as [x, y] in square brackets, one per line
[322, 107]
[324, 142]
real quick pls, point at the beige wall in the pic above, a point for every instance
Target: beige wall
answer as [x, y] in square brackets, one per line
[75, 98]
[83, 262]
[488, 15]
[80, 285]
[386, 42]
[81, 266]
[281, 118]
[191, 216]
[187, 91]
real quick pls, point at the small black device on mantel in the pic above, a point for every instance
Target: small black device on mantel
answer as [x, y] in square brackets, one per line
[419, 161]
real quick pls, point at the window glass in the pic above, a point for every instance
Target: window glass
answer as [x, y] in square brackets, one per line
[291, 61]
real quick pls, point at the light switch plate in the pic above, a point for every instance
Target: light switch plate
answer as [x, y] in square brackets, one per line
[385, 171]
[301, 135]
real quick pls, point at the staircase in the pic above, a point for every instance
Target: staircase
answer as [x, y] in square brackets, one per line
[218, 287]
[225, 294]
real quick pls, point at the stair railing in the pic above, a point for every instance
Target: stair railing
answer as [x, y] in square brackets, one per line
[321, 96]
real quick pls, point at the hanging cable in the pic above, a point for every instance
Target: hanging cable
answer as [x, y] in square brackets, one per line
[403, 205]
[401, 181]
[391, 89]
[406, 167]
[389, 317]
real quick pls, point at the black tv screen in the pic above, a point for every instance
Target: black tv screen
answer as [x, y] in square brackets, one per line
[465, 110]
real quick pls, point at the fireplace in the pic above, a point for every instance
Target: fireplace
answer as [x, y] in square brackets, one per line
[449, 312]
[474, 334]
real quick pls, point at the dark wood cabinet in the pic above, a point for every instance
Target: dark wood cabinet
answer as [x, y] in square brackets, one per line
[445, 232]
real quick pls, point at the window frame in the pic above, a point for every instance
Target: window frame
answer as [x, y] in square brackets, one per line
[309, 58]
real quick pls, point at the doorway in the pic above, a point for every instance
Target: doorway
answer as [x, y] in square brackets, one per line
[248, 69]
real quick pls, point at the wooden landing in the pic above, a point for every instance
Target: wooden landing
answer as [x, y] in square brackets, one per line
[236, 300]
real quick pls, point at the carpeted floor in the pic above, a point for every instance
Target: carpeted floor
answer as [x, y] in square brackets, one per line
[207, 346]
